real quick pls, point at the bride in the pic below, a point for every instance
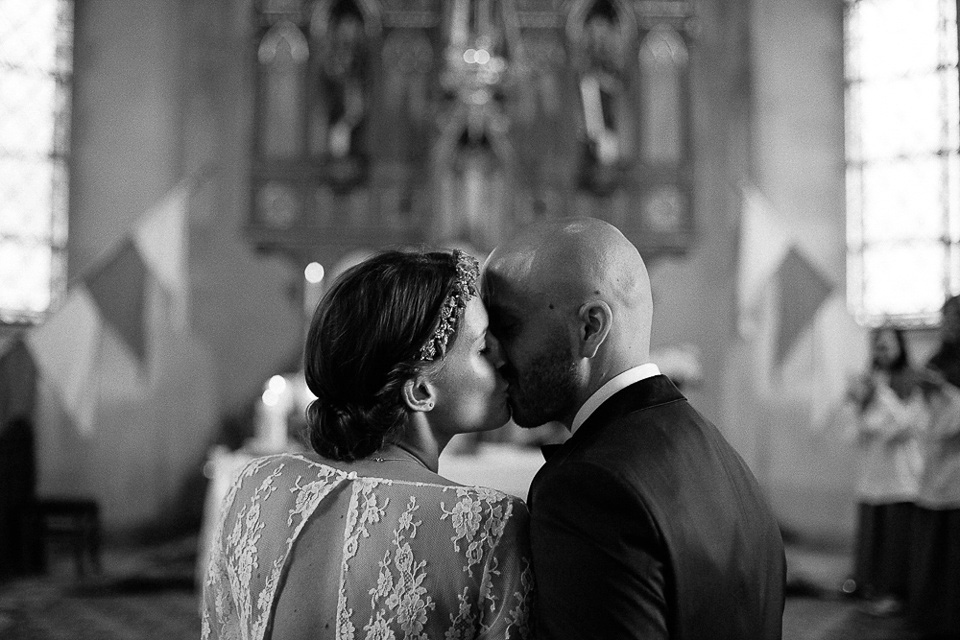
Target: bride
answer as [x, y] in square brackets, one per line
[363, 539]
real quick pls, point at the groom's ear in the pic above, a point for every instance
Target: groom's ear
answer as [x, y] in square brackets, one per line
[419, 393]
[594, 321]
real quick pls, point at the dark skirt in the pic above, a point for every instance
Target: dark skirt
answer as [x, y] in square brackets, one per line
[882, 561]
[934, 597]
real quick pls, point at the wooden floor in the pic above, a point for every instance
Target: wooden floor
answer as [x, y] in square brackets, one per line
[148, 593]
[141, 593]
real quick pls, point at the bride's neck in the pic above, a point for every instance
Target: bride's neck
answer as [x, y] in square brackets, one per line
[420, 441]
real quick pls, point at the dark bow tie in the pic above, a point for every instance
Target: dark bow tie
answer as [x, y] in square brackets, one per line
[549, 449]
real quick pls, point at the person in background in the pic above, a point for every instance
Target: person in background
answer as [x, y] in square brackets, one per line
[946, 359]
[363, 538]
[890, 413]
[935, 584]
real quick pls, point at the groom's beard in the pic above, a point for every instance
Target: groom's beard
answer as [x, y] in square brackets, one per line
[545, 391]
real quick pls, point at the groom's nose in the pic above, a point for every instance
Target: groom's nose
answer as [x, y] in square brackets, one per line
[495, 351]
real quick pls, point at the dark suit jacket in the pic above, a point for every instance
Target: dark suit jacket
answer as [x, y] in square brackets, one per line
[647, 524]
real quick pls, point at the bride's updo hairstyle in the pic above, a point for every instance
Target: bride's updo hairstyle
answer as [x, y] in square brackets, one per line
[381, 323]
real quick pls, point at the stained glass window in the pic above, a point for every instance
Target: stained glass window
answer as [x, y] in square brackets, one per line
[903, 166]
[36, 51]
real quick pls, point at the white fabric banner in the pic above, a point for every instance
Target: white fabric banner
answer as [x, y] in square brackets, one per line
[161, 238]
[764, 242]
[66, 349]
[840, 352]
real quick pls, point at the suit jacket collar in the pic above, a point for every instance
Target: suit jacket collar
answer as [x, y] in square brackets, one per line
[610, 388]
[549, 449]
[646, 393]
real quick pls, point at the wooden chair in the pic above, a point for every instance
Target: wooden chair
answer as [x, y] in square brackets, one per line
[64, 522]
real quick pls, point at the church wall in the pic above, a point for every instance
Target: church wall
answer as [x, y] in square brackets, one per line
[125, 121]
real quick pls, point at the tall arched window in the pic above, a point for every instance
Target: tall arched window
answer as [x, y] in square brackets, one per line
[903, 167]
[36, 53]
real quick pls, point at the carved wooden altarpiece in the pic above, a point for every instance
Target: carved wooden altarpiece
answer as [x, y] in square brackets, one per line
[440, 122]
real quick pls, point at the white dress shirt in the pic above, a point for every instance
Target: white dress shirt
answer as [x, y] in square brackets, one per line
[610, 387]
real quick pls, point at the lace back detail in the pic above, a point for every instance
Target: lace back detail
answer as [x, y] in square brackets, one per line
[416, 560]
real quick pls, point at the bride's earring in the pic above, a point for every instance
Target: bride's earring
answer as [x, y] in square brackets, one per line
[418, 394]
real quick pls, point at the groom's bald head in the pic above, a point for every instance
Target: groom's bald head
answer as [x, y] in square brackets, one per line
[562, 277]
[570, 261]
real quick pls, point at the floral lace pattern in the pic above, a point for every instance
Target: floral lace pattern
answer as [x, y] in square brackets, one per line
[478, 518]
[405, 596]
[519, 616]
[410, 567]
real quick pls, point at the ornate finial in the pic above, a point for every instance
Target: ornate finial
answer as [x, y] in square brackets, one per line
[464, 288]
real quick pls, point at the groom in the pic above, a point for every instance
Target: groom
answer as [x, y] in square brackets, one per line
[645, 523]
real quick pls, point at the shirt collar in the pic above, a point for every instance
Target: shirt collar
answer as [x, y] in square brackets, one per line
[610, 387]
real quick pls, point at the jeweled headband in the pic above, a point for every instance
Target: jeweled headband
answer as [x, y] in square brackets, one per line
[464, 288]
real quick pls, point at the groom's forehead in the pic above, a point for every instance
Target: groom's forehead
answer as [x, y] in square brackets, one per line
[498, 287]
[506, 288]
[514, 305]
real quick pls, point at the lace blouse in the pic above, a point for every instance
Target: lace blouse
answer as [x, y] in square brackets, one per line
[409, 559]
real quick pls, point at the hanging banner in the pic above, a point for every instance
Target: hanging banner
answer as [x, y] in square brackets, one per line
[18, 380]
[161, 238]
[764, 241]
[119, 289]
[66, 348]
[802, 291]
[841, 352]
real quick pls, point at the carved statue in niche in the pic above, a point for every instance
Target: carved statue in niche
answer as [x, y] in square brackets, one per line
[539, 94]
[281, 55]
[600, 42]
[407, 62]
[403, 127]
[475, 192]
[473, 158]
[663, 60]
[538, 113]
[339, 113]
